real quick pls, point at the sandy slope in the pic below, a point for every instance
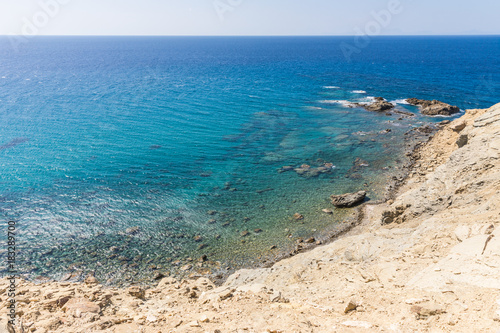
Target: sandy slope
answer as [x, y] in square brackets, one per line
[435, 266]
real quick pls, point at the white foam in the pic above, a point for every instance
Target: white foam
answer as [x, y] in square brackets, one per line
[400, 101]
[358, 92]
[333, 101]
[331, 87]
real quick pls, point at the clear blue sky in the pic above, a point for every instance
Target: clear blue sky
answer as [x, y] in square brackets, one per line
[246, 17]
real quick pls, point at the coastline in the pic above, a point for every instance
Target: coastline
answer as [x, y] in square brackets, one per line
[416, 272]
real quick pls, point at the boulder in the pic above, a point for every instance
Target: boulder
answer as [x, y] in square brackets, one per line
[348, 199]
[458, 126]
[434, 107]
[132, 230]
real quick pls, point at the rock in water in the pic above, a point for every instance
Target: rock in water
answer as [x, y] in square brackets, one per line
[298, 216]
[379, 105]
[434, 107]
[348, 199]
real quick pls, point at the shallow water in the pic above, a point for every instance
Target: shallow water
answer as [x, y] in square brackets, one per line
[100, 135]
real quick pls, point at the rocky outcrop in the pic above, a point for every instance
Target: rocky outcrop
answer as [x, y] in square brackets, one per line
[380, 105]
[434, 107]
[471, 154]
[348, 199]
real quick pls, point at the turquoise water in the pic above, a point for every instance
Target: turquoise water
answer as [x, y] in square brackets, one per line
[184, 139]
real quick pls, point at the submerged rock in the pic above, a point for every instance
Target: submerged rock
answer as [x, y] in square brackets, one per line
[132, 230]
[307, 171]
[434, 107]
[286, 168]
[348, 199]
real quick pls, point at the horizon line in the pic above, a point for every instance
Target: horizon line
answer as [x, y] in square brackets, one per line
[317, 35]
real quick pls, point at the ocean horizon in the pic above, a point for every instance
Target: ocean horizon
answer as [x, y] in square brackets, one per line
[125, 156]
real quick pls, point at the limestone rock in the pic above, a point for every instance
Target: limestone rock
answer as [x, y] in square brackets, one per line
[348, 199]
[422, 312]
[137, 292]
[225, 294]
[79, 306]
[166, 281]
[395, 214]
[458, 126]
[351, 306]
[462, 140]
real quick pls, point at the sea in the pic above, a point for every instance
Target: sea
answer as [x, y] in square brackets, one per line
[130, 158]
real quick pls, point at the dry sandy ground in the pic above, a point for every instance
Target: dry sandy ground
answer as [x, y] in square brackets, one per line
[433, 266]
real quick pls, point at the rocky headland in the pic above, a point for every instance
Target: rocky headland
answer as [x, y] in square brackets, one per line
[427, 261]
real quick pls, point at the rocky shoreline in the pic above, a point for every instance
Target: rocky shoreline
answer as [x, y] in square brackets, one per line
[428, 259]
[428, 108]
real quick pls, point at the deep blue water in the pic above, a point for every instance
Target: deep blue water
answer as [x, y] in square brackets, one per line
[101, 134]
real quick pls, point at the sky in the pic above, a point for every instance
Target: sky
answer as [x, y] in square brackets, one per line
[249, 17]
